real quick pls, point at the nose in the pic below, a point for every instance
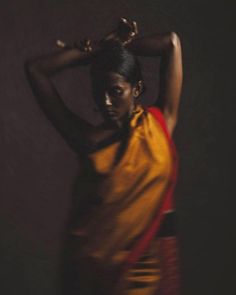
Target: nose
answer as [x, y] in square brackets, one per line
[108, 101]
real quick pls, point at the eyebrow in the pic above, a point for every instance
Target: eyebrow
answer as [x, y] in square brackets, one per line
[116, 84]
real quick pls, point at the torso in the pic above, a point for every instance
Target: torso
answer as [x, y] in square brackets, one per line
[121, 188]
[100, 133]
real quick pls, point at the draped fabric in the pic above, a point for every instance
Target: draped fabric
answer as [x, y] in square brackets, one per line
[125, 189]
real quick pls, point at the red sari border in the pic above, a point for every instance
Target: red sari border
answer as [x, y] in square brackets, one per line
[167, 204]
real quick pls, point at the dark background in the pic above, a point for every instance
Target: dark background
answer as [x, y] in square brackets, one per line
[39, 168]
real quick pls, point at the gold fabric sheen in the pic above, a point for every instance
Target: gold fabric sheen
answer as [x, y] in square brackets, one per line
[130, 179]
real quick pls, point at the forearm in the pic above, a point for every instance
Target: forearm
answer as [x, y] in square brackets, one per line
[154, 45]
[55, 62]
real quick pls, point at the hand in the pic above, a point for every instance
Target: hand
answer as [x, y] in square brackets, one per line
[84, 45]
[125, 32]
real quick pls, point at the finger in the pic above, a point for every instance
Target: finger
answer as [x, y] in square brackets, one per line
[88, 42]
[87, 45]
[125, 24]
[124, 20]
[135, 27]
[60, 44]
[88, 48]
[84, 42]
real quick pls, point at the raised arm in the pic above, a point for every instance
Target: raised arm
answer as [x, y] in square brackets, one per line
[168, 47]
[38, 72]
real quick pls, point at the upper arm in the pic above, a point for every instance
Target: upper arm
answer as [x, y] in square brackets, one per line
[171, 75]
[70, 126]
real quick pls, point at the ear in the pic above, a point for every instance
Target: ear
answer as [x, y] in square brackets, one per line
[137, 90]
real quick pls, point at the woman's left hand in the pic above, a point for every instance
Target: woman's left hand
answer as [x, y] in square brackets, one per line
[125, 32]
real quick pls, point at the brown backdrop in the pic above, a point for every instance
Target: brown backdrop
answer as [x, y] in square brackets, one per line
[39, 168]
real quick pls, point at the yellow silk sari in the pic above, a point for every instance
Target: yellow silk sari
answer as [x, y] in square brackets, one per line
[122, 189]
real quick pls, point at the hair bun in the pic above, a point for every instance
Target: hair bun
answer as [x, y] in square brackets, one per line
[111, 44]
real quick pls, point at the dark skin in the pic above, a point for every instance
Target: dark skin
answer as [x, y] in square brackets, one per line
[116, 96]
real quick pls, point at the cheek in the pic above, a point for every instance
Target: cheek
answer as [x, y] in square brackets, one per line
[127, 99]
[125, 105]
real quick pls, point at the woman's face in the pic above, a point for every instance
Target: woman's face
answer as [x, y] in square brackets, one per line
[114, 96]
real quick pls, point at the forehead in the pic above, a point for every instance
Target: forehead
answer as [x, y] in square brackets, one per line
[110, 78]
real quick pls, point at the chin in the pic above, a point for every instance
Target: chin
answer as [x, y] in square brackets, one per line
[116, 123]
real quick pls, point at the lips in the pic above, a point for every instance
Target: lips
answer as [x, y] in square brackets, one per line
[111, 113]
[111, 116]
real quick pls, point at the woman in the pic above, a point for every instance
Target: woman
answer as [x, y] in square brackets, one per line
[128, 163]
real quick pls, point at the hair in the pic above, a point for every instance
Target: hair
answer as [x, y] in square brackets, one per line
[113, 57]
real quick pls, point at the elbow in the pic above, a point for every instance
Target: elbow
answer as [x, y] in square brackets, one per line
[171, 119]
[174, 40]
[171, 124]
[30, 67]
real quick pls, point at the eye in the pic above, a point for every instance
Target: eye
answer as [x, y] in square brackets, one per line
[115, 91]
